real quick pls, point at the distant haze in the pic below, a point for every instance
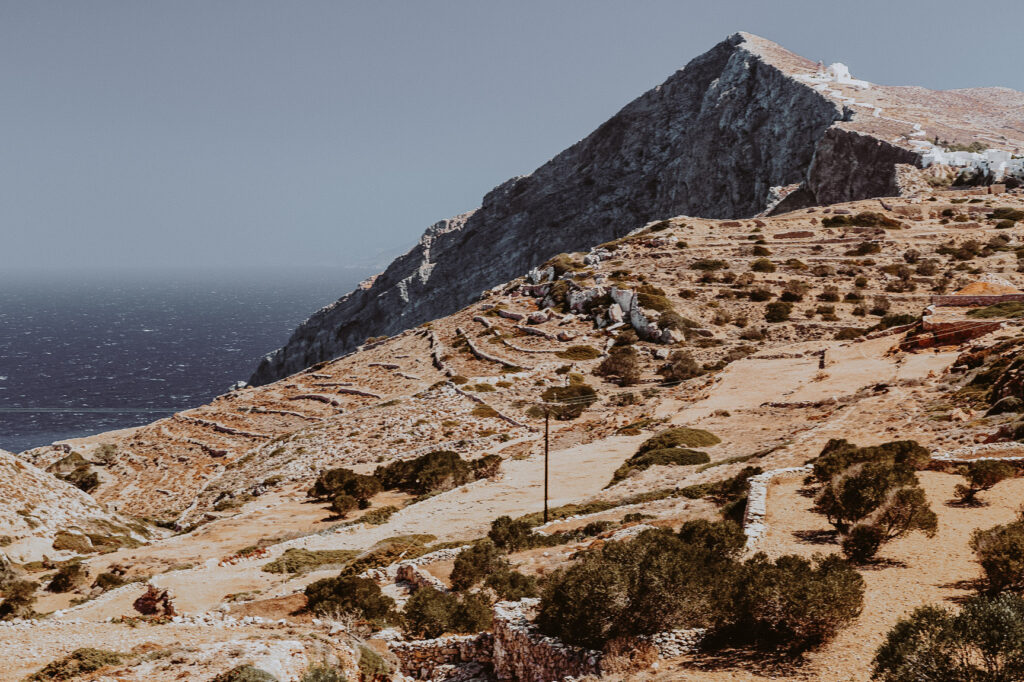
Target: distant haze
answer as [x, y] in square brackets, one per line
[226, 134]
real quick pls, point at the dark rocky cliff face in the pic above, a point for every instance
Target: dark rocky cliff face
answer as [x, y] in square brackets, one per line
[710, 141]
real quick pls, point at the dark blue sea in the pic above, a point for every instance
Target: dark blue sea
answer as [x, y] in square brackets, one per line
[82, 355]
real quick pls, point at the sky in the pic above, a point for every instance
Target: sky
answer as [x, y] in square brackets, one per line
[240, 135]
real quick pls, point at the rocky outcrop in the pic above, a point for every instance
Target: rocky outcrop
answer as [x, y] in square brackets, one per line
[714, 140]
[849, 165]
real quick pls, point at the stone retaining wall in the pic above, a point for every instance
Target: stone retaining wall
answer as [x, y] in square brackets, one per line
[419, 659]
[974, 301]
[754, 526]
[523, 654]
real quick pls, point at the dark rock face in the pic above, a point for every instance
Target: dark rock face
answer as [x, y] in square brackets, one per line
[847, 166]
[710, 141]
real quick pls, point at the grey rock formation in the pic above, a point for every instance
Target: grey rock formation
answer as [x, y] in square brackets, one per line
[711, 141]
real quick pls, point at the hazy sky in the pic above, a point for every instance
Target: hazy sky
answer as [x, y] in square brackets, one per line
[215, 133]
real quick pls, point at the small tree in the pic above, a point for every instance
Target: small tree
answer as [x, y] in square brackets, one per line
[984, 643]
[510, 535]
[1000, 551]
[982, 475]
[860, 490]
[350, 594]
[511, 585]
[430, 613]
[476, 563]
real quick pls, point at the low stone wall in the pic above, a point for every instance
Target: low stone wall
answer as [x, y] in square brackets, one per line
[677, 642]
[421, 658]
[523, 654]
[754, 526]
[417, 577]
[973, 301]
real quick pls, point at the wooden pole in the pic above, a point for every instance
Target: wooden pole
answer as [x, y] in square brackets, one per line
[547, 417]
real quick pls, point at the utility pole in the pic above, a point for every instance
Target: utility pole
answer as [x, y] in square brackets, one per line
[547, 418]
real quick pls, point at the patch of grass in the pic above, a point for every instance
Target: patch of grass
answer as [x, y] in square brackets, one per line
[662, 457]
[579, 353]
[680, 437]
[484, 411]
[78, 662]
[377, 517]
[1007, 309]
[297, 560]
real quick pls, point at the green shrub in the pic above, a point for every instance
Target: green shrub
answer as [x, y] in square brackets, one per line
[389, 551]
[433, 472]
[654, 302]
[78, 662]
[865, 249]
[322, 672]
[894, 320]
[70, 576]
[662, 457]
[510, 535]
[73, 542]
[778, 311]
[1000, 551]
[672, 320]
[487, 466]
[299, 560]
[709, 265]
[350, 594]
[725, 491]
[574, 400]
[1007, 309]
[511, 585]
[372, 668]
[579, 353]
[839, 454]
[649, 584]
[863, 219]
[622, 362]
[794, 601]
[681, 366]
[333, 482]
[19, 596]
[379, 516]
[342, 504]
[859, 491]
[108, 581]
[982, 475]
[1007, 213]
[982, 643]
[473, 565]
[244, 673]
[862, 543]
[679, 437]
[430, 613]
[762, 265]
[759, 294]
[848, 334]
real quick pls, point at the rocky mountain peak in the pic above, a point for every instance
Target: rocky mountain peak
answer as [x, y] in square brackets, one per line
[745, 127]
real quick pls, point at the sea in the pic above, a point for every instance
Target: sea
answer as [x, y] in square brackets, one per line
[84, 354]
